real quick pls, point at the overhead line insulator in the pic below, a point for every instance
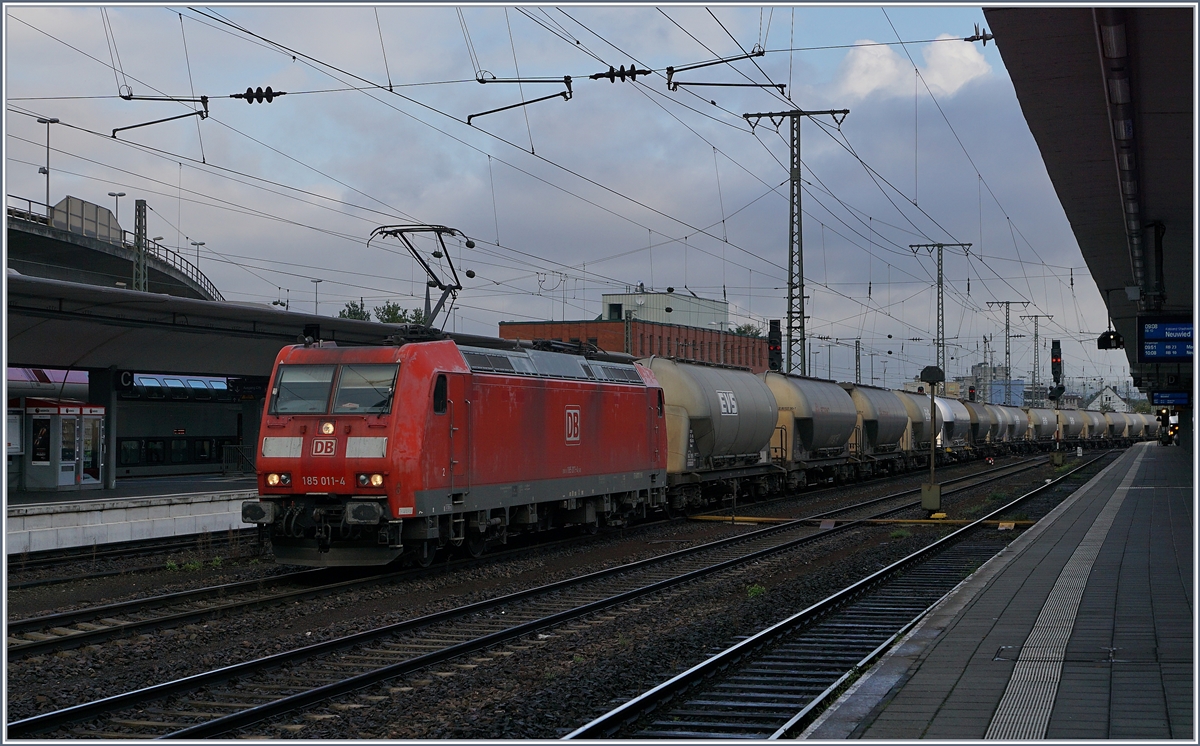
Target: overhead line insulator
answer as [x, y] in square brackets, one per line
[253, 95]
[622, 73]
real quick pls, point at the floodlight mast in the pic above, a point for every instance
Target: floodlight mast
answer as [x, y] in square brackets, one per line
[449, 289]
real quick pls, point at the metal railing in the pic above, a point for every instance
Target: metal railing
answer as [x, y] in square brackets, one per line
[236, 459]
[163, 254]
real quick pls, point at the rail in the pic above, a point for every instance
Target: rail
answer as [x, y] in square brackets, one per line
[163, 254]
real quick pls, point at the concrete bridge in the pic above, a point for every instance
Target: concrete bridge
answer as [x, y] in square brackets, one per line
[43, 242]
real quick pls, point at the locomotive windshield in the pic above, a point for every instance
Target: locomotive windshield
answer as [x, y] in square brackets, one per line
[302, 389]
[365, 389]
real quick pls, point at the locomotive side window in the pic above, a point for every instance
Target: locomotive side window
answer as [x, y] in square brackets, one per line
[365, 389]
[439, 395]
[302, 389]
[660, 403]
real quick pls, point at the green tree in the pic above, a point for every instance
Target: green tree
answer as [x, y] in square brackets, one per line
[355, 311]
[1141, 406]
[392, 313]
[748, 330]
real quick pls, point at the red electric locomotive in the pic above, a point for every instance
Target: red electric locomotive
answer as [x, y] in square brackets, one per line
[367, 454]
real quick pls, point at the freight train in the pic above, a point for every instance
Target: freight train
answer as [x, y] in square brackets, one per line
[372, 454]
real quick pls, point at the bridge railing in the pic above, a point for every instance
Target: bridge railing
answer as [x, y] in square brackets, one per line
[33, 211]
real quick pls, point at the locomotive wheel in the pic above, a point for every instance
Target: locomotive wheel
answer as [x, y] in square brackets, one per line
[474, 544]
[423, 557]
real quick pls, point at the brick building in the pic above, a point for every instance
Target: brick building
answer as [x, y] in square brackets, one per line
[646, 338]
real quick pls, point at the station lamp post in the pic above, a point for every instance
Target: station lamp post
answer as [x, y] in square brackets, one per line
[46, 169]
[721, 336]
[117, 206]
[316, 303]
[197, 244]
[931, 494]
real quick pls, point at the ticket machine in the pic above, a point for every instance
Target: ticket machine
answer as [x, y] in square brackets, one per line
[63, 445]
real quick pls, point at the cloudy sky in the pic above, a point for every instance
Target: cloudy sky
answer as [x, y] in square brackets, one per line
[626, 182]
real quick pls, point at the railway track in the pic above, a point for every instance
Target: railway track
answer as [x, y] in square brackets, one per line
[206, 544]
[94, 625]
[236, 543]
[771, 685]
[233, 697]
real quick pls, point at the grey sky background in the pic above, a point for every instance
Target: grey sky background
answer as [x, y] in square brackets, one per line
[625, 183]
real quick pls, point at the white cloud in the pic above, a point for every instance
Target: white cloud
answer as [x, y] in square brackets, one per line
[949, 65]
[881, 71]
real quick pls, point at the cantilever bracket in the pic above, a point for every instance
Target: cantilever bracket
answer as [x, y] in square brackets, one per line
[202, 113]
[566, 95]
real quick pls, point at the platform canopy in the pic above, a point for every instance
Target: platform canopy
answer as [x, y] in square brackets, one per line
[1108, 94]
[55, 324]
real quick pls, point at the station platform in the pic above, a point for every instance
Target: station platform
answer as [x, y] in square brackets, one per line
[144, 508]
[1081, 629]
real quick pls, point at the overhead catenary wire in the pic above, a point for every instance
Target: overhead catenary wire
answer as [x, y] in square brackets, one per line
[1019, 260]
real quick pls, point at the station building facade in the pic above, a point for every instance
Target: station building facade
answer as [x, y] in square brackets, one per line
[646, 338]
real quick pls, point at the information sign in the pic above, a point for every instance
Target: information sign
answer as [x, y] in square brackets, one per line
[1164, 339]
[1170, 398]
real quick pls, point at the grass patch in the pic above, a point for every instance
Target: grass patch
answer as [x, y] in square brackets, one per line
[216, 563]
[755, 591]
[192, 566]
[899, 533]
[172, 565]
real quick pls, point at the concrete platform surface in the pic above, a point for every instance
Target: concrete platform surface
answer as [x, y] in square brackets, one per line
[1081, 629]
[149, 508]
[194, 484]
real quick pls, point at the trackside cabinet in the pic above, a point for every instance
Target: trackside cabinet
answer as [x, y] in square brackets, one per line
[63, 445]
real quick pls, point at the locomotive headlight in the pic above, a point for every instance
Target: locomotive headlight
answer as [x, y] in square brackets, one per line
[277, 480]
[369, 480]
[272, 480]
[285, 479]
[327, 428]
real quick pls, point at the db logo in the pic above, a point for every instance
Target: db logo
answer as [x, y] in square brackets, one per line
[572, 425]
[324, 446]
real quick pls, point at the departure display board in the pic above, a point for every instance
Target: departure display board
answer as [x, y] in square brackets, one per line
[1170, 398]
[1164, 339]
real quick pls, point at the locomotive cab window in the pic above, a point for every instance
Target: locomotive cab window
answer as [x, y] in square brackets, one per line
[365, 389]
[302, 389]
[439, 395]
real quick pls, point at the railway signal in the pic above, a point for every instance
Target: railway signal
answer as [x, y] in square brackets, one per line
[775, 346]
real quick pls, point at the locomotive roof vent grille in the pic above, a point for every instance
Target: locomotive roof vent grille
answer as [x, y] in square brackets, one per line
[547, 365]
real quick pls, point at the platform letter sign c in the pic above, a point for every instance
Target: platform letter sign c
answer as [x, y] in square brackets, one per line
[572, 426]
[324, 446]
